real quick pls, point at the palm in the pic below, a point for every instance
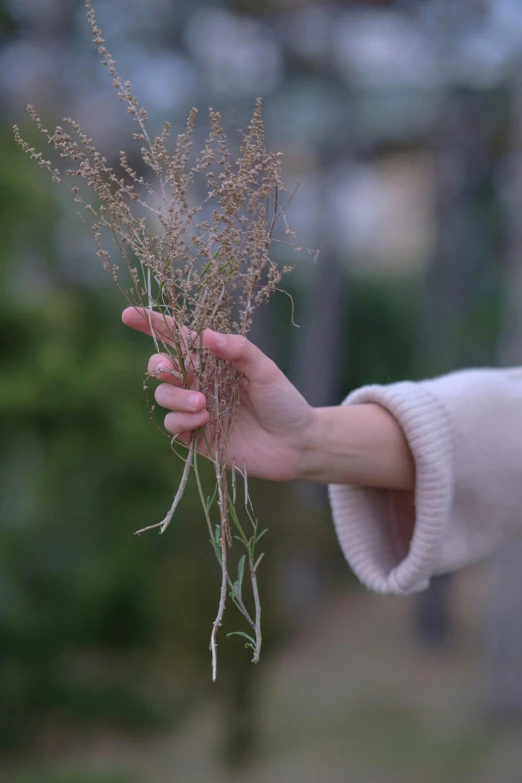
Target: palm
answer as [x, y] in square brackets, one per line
[268, 431]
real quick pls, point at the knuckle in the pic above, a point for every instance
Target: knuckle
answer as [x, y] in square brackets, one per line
[155, 360]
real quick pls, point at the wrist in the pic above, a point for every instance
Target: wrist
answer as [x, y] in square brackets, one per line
[318, 459]
[356, 444]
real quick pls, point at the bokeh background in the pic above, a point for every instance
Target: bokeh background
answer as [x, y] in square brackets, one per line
[403, 123]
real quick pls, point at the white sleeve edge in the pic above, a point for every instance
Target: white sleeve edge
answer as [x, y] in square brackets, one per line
[362, 517]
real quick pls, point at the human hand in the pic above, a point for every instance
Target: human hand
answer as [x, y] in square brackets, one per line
[273, 424]
[276, 434]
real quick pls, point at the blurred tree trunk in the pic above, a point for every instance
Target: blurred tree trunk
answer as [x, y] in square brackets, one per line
[320, 348]
[321, 344]
[457, 281]
[503, 640]
[316, 371]
[460, 277]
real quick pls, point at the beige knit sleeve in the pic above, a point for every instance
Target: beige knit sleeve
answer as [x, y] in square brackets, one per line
[465, 433]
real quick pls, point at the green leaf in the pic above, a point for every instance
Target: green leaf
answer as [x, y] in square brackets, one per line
[262, 533]
[236, 521]
[206, 268]
[240, 574]
[217, 550]
[232, 510]
[210, 500]
[246, 636]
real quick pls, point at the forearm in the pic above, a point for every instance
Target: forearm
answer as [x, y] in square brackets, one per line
[361, 445]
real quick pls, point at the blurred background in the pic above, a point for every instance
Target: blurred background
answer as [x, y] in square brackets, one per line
[403, 123]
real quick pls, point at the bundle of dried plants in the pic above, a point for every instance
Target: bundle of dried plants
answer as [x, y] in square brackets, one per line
[192, 265]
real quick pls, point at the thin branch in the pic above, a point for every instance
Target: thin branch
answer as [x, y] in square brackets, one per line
[179, 494]
[224, 578]
[257, 604]
[181, 490]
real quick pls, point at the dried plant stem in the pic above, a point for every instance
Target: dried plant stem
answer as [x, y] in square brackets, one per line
[192, 265]
[181, 490]
[236, 597]
[179, 494]
[257, 604]
[222, 602]
[222, 502]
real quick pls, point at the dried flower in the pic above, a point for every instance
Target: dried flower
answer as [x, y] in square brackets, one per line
[201, 265]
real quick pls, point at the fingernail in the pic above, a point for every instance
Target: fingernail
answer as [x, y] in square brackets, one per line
[193, 401]
[162, 367]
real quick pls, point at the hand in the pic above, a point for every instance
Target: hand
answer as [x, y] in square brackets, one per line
[277, 435]
[273, 425]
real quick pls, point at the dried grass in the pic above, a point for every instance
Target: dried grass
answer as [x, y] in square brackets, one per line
[197, 272]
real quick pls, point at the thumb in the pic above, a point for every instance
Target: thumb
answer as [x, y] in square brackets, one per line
[243, 354]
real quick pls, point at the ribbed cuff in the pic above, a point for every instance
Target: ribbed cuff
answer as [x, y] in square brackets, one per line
[366, 527]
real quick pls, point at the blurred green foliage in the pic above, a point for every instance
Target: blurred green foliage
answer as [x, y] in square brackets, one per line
[93, 620]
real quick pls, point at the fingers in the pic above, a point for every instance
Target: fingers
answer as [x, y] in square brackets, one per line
[163, 326]
[188, 407]
[179, 400]
[171, 374]
[248, 359]
[145, 321]
[243, 354]
[185, 422]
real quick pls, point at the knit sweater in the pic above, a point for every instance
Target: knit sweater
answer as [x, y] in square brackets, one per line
[464, 431]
